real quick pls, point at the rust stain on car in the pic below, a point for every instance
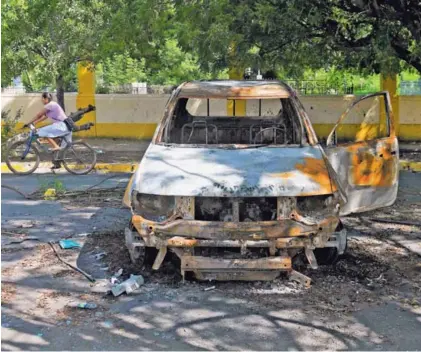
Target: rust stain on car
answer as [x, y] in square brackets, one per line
[240, 197]
[317, 171]
[371, 166]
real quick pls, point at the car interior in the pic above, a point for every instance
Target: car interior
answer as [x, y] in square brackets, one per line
[205, 121]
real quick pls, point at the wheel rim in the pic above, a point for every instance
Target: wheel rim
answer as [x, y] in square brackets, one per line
[15, 162]
[79, 158]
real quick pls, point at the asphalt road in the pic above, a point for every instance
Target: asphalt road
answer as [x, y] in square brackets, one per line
[164, 317]
[51, 220]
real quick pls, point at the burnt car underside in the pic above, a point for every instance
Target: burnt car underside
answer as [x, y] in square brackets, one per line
[234, 197]
[251, 238]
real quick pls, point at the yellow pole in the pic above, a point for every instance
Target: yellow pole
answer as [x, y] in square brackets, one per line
[86, 94]
[390, 84]
[236, 73]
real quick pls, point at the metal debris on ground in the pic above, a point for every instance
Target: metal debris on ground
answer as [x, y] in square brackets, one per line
[128, 286]
[84, 305]
[118, 273]
[99, 256]
[69, 244]
[209, 288]
[89, 277]
[300, 278]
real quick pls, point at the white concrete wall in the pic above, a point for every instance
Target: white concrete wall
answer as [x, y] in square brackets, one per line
[148, 109]
[127, 108]
[31, 104]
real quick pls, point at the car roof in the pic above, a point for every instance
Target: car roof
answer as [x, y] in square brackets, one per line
[218, 89]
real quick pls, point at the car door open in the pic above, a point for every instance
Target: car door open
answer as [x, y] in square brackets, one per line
[363, 150]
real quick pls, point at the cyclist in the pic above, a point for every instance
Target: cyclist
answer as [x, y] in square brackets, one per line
[61, 126]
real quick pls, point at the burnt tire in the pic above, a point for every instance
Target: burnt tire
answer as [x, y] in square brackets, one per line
[326, 256]
[329, 255]
[145, 255]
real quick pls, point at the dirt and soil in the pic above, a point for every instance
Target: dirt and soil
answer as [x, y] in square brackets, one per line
[371, 298]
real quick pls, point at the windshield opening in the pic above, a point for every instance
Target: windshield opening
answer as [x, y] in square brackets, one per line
[245, 122]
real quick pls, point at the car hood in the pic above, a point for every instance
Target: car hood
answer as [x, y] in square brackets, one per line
[222, 172]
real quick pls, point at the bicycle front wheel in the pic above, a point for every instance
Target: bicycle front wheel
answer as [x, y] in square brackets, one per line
[21, 159]
[79, 158]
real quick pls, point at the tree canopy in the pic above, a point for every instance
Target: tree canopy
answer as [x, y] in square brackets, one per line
[50, 36]
[168, 41]
[371, 36]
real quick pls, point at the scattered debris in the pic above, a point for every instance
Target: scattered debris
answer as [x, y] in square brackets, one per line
[85, 234]
[128, 286]
[390, 221]
[118, 273]
[84, 305]
[300, 278]
[50, 194]
[89, 277]
[209, 288]
[69, 244]
[99, 256]
[108, 324]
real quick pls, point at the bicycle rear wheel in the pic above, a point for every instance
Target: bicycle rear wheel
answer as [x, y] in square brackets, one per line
[79, 158]
[19, 165]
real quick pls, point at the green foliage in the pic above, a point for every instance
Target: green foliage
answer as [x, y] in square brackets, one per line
[118, 70]
[176, 66]
[293, 36]
[8, 128]
[43, 39]
[56, 184]
[170, 41]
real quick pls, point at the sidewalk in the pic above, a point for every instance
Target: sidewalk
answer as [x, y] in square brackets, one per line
[123, 155]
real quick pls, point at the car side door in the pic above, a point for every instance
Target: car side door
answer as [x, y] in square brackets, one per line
[363, 150]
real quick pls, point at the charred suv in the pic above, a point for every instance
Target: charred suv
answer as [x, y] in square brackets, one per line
[236, 184]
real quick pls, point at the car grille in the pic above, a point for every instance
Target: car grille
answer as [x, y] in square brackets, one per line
[236, 209]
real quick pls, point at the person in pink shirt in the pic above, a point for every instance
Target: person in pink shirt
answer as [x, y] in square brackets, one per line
[59, 127]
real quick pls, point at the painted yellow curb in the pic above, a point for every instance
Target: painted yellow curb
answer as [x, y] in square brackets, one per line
[131, 167]
[127, 167]
[410, 165]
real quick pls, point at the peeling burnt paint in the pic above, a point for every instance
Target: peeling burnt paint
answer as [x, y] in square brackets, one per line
[232, 172]
[269, 201]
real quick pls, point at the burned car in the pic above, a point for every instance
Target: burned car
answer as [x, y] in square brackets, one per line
[236, 183]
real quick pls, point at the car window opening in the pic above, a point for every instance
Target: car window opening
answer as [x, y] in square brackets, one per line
[249, 122]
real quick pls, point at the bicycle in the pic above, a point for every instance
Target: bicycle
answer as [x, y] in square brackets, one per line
[79, 158]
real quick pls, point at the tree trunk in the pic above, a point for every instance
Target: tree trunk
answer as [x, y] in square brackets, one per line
[60, 91]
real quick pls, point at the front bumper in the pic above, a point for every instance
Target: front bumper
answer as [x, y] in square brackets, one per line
[182, 236]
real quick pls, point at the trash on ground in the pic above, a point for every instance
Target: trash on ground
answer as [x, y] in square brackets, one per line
[99, 256]
[118, 273]
[84, 305]
[108, 324]
[50, 194]
[85, 234]
[69, 244]
[128, 286]
[210, 288]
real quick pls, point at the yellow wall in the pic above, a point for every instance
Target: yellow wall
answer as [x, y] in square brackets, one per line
[136, 116]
